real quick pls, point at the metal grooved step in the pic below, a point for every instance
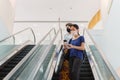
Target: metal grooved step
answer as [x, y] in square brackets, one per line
[8, 66]
[85, 71]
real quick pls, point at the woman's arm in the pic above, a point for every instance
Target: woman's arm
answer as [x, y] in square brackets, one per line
[77, 47]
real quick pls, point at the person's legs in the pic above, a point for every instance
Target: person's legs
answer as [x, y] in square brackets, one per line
[70, 65]
[75, 72]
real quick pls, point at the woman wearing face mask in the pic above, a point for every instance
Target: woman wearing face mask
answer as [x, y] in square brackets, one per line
[76, 46]
[68, 35]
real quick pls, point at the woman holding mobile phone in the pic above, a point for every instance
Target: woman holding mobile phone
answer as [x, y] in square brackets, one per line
[76, 48]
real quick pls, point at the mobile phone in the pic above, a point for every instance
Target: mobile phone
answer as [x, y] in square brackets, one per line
[65, 40]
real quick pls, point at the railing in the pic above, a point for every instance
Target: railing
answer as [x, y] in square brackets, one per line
[12, 44]
[99, 61]
[53, 61]
[19, 37]
[35, 59]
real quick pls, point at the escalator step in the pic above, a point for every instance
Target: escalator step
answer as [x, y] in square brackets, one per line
[14, 61]
[3, 74]
[85, 70]
[85, 66]
[86, 74]
[9, 65]
[86, 63]
[87, 78]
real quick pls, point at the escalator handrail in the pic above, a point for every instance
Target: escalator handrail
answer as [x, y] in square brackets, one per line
[103, 56]
[43, 58]
[13, 35]
[53, 63]
[93, 64]
[2, 61]
[27, 56]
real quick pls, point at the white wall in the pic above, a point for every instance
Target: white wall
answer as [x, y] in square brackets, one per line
[112, 31]
[105, 6]
[47, 10]
[6, 18]
[109, 39]
[41, 29]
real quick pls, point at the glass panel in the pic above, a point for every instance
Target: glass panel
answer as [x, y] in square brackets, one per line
[104, 69]
[9, 41]
[28, 69]
[44, 70]
[6, 50]
[24, 36]
[106, 73]
[8, 45]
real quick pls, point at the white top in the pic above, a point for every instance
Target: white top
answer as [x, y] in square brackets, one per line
[67, 37]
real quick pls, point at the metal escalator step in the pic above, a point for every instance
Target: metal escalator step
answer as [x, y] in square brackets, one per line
[19, 57]
[9, 65]
[87, 78]
[1, 78]
[86, 74]
[85, 70]
[86, 62]
[6, 69]
[14, 61]
[85, 66]
[3, 74]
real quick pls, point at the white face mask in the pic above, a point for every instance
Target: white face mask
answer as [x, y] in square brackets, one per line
[74, 33]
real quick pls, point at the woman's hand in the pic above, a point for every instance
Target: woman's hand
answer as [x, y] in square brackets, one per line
[70, 46]
[77, 47]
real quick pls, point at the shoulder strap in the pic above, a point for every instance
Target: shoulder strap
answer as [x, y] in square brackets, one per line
[70, 40]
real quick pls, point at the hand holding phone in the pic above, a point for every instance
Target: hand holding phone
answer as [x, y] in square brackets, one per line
[69, 46]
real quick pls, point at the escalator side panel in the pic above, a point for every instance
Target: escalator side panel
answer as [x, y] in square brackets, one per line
[9, 65]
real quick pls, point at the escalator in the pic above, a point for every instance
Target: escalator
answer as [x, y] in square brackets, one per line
[43, 62]
[13, 61]
[85, 70]
[34, 65]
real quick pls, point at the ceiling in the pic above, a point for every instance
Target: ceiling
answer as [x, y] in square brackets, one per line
[51, 10]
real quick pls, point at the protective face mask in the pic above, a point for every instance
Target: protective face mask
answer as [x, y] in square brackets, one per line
[74, 33]
[68, 30]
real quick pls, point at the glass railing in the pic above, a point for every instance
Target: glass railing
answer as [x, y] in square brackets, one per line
[38, 61]
[25, 35]
[51, 60]
[102, 66]
[19, 37]
[10, 44]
